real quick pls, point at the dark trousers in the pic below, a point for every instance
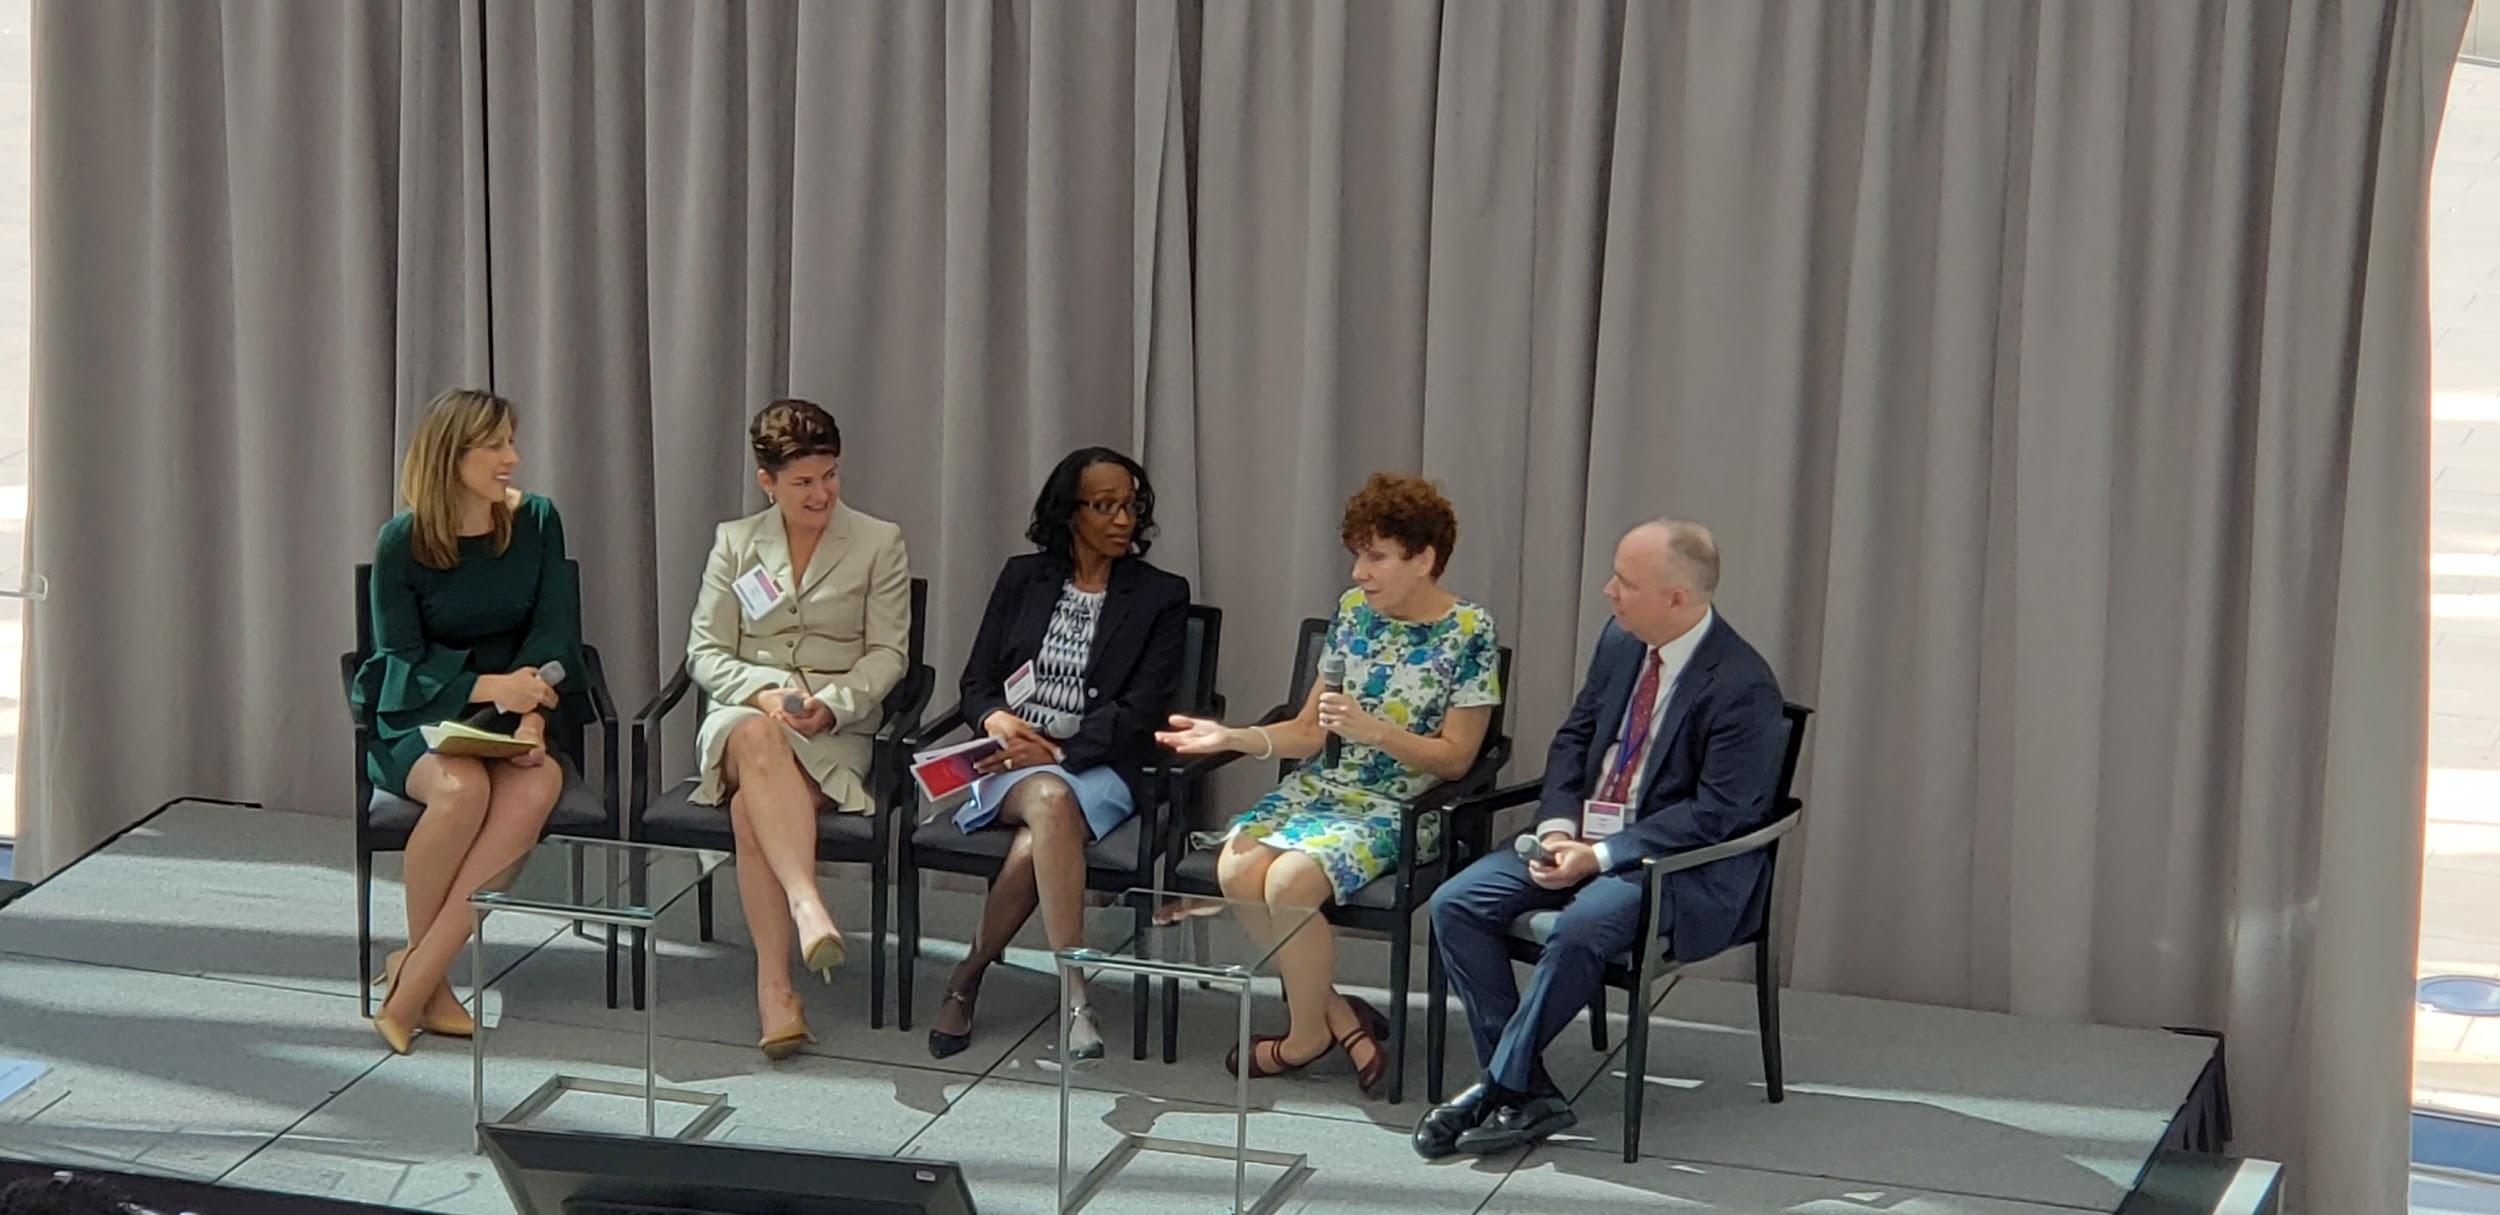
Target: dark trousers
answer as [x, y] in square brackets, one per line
[1472, 914]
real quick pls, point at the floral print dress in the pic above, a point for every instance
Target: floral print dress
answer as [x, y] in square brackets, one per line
[1410, 674]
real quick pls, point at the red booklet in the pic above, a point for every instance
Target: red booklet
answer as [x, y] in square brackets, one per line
[947, 771]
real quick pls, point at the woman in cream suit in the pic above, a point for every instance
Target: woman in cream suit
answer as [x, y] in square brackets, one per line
[802, 627]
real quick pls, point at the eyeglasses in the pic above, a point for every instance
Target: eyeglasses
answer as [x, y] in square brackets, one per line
[1107, 508]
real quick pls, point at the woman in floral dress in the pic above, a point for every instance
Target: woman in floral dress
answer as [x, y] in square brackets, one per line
[1422, 676]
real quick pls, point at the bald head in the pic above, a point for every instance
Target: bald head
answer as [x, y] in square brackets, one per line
[1690, 555]
[1665, 573]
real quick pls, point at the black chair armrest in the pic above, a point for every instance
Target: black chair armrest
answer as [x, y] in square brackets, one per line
[889, 757]
[904, 706]
[1450, 795]
[646, 758]
[898, 734]
[349, 664]
[1678, 860]
[602, 702]
[1487, 804]
[938, 725]
[678, 685]
[1471, 817]
[603, 710]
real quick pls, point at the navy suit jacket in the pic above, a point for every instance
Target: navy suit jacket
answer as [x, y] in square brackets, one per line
[1709, 777]
[1130, 677]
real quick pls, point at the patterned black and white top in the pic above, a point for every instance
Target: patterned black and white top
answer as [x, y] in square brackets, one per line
[1058, 704]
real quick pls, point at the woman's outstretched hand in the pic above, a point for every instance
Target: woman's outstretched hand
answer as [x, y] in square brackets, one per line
[1195, 736]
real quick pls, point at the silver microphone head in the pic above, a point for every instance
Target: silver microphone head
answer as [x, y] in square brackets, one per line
[551, 673]
[793, 704]
[1332, 670]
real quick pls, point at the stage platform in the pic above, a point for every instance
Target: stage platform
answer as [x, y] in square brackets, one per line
[188, 988]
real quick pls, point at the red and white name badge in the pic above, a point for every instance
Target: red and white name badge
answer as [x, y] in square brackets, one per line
[758, 592]
[1599, 820]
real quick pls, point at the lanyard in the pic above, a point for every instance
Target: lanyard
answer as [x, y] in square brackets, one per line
[1626, 747]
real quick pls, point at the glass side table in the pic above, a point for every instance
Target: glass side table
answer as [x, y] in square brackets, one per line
[1229, 945]
[613, 882]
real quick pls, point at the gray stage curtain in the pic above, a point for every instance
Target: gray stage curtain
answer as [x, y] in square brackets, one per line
[257, 230]
[2052, 374]
[917, 215]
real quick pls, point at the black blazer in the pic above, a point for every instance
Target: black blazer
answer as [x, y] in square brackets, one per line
[1709, 778]
[1131, 676]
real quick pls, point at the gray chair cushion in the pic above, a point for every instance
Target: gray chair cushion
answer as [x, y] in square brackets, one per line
[939, 834]
[578, 808]
[674, 819]
[1198, 870]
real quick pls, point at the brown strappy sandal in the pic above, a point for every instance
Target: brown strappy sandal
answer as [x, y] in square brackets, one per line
[1260, 1068]
[1368, 1075]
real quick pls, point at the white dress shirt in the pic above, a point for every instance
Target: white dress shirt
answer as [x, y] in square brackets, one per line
[1673, 657]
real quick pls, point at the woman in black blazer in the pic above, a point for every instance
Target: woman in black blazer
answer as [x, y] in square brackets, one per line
[1101, 632]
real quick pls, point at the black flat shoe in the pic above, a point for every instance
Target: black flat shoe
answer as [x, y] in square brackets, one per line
[945, 1045]
[1516, 1123]
[1437, 1134]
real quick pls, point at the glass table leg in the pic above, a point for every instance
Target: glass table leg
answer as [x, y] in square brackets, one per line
[1067, 992]
[477, 1035]
[1241, 1104]
[650, 1033]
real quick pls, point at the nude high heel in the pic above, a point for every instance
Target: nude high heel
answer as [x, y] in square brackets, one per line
[432, 1022]
[399, 1038]
[823, 953]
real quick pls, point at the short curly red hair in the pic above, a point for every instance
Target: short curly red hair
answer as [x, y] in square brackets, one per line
[1408, 510]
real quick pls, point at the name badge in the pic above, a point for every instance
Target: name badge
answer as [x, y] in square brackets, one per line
[1020, 687]
[758, 592]
[1600, 819]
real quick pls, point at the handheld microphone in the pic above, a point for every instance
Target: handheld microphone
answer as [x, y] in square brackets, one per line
[794, 704]
[1532, 850]
[552, 673]
[1331, 679]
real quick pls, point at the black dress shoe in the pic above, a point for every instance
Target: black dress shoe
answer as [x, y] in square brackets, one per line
[1437, 1134]
[1517, 1123]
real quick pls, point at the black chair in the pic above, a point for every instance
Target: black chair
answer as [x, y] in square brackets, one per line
[384, 821]
[671, 817]
[1124, 860]
[1637, 975]
[1388, 904]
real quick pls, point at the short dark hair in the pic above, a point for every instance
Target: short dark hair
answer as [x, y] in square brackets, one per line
[1409, 510]
[789, 430]
[61, 1195]
[1054, 509]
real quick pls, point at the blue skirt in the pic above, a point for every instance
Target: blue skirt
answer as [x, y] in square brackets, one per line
[1100, 793]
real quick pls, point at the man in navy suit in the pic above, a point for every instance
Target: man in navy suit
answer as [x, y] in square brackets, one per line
[1672, 744]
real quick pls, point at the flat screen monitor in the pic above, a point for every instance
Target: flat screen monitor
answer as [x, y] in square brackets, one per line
[580, 1173]
[149, 1195]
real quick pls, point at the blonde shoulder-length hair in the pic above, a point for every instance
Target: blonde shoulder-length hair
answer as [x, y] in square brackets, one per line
[456, 422]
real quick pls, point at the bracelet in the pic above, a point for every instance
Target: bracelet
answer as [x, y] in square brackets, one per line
[1269, 740]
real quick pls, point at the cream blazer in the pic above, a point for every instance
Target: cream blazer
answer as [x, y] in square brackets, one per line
[844, 632]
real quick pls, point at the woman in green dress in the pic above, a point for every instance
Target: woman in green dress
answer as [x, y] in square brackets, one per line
[471, 596]
[1422, 674]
